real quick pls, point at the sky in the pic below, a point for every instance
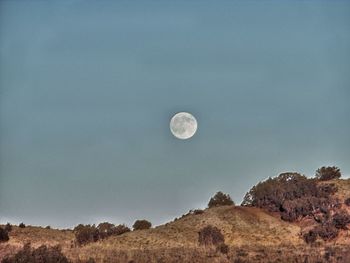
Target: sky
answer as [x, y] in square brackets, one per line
[88, 88]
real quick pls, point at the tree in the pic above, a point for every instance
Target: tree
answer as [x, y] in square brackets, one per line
[210, 235]
[142, 224]
[106, 229]
[220, 199]
[3, 235]
[328, 173]
[272, 193]
[22, 225]
[86, 233]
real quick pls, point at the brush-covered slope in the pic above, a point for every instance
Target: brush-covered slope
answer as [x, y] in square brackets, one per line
[252, 234]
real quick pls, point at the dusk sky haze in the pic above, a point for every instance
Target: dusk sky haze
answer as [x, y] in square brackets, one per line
[88, 88]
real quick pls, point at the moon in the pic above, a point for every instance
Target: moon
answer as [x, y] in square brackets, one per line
[183, 125]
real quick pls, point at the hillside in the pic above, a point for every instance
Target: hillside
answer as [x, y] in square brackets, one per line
[252, 235]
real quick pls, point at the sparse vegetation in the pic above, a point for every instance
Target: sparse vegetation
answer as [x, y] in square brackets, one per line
[3, 235]
[328, 173]
[220, 199]
[42, 254]
[141, 225]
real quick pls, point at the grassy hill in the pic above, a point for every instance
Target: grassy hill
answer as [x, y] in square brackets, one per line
[252, 234]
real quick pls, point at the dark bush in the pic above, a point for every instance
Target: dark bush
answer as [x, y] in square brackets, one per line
[220, 199]
[197, 211]
[106, 229]
[222, 248]
[48, 227]
[142, 224]
[328, 173]
[42, 254]
[8, 227]
[4, 236]
[292, 195]
[327, 189]
[210, 235]
[326, 231]
[22, 225]
[347, 201]
[121, 229]
[292, 210]
[86, 233]
[310, 237]
[273, 192]
[329, 253]
[241, 253]
[341, 219]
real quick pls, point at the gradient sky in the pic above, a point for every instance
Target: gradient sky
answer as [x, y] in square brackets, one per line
[88, 89]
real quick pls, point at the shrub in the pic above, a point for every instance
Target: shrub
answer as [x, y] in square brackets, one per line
[340, 220]
[326, 231]
[40, 254]
[222, 248]
[310, 237]
[142, 224]
[8, 227]
[292, 195]
[327, 189]
[329, 253]
[273, 192]
[197, 211]
[347, 201]
[292, 210]
[106, 229]
[328, 173]
[210, 235]
[22, 225]
[220, 199]
[86, 233]
[121, 229]
[3, 235]
[48, 227]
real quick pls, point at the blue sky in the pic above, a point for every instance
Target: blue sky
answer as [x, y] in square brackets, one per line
[88, 89]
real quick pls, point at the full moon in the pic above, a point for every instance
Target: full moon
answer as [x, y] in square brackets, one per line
[183, 125]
